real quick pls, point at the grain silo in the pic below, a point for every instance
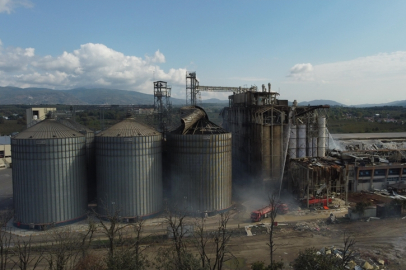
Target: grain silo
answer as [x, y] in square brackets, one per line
[90, 155]
[49, 175]
[200, 160]
[129, 170]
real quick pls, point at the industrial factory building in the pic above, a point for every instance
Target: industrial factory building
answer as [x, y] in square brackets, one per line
[264, 142]
[267, 132]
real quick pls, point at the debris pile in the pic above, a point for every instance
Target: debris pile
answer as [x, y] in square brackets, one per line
[371, 260]
[319, 225]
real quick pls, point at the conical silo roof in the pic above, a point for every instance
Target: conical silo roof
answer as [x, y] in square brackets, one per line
[74, 125]
[128, 128]
[48, 129]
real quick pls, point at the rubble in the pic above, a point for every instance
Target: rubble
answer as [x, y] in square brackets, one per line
[311, 226]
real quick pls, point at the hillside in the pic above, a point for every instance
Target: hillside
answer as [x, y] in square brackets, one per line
[320, 102]
[36, 96]
[78, 96]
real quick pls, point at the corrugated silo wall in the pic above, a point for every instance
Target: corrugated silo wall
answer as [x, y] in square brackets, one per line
[91, 166]
[49, 180]
[129, 175]
[201, 172]
[277, 153]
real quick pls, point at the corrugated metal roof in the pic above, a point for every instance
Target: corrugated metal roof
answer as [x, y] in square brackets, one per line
[48, 129]
[73, 125]
[195, 121]
[128, 128]
[5, 140]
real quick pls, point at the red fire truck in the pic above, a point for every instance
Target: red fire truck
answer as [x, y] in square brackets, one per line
[259, 214]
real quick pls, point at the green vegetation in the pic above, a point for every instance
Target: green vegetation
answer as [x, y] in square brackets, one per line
[373, 119]
[340, 119]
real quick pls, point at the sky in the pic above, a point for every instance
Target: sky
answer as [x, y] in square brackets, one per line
[349, 51]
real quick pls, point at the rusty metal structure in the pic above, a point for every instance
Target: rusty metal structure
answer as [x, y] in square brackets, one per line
[200, 164]
[318, 178]
[268, 131]
[162, 104]
[194, 89]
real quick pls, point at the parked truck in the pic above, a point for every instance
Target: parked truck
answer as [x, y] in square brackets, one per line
[264, 212]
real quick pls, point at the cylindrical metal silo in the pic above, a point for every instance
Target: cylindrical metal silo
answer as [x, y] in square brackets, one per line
[129, 170]
[309, 146]
[200, 159]
[292, 149]
[277, 152]
[49, 175]
[314, 146]
[266, 151]
[321, 140]
[301, 141]
[90, 155]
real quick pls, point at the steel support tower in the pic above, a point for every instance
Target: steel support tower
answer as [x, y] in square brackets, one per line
[162, 104]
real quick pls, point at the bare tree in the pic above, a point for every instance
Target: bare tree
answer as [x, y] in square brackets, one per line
[130, 254]
[202, 238]
[177, 230]
[214, 242]
[67, 247]
[177, 256]
[24, 255]
[221, 239]
[274, 206]
[63, 246]
[348, 251]
[5, 239]
[111, 227]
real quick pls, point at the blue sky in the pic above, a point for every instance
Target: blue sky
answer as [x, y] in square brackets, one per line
[349, 51]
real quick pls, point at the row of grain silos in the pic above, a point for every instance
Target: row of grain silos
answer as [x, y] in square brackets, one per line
[308, 140]
[54, 172]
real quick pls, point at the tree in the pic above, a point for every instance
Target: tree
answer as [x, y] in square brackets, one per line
[348, 251]
[5, 239]
[65, 249]
[130, 255]
[309, 259]
[177, 257]
[274, 205]
[110, 224]
[24, 257]
[215, 242]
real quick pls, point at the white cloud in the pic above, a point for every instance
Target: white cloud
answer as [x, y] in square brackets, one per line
[361, 80]
[92, 65]
[302, 72]
[8, 6]
[157, 58]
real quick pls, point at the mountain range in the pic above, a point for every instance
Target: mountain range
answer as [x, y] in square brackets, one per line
[101, 96]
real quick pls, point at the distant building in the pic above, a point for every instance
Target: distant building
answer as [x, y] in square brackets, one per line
[5, 151]
[35, 115]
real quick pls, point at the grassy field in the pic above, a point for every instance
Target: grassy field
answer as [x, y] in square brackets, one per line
[354, 126]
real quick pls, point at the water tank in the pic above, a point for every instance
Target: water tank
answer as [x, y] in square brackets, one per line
[200, 160]
[129, 170]
[49, 175]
